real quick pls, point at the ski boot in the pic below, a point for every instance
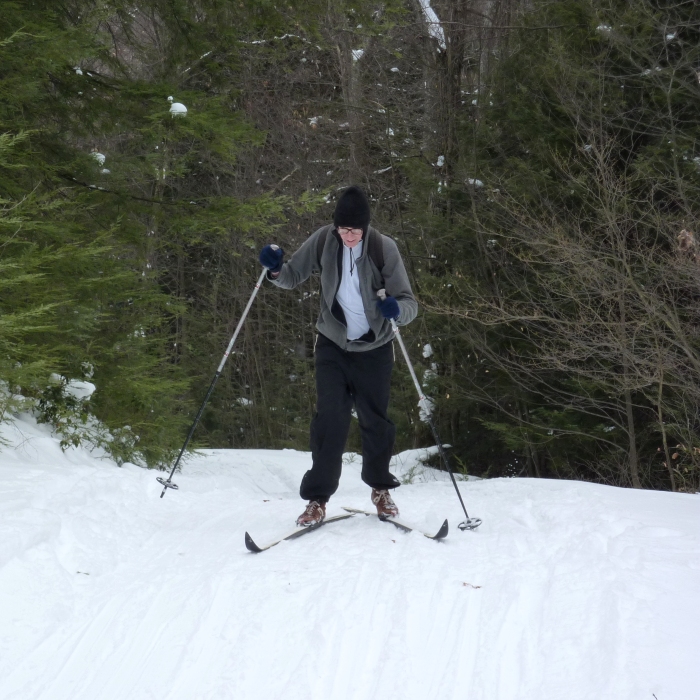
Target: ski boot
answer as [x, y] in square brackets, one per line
[313, 514]
[386, 508]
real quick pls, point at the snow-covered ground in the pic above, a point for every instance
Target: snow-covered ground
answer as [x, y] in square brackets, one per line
[568, 591]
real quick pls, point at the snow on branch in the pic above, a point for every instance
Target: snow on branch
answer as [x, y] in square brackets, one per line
[278, 38]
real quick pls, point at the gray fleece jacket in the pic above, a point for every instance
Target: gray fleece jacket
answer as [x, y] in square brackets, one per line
[331, 320]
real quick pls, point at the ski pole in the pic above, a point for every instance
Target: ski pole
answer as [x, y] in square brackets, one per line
[469, 523]
[167, 483]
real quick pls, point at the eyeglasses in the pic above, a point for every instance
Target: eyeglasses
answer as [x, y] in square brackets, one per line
[345, 231]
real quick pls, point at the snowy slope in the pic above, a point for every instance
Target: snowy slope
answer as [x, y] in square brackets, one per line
[568, 591]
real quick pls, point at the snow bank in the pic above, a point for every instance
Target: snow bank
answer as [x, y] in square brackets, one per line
[107, 592]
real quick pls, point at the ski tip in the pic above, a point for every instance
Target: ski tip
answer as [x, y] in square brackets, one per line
[250, 545]
[442, 532]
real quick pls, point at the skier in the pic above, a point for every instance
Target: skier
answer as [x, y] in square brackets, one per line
[354, 353]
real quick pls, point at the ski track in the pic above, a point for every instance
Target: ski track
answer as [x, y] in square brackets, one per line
[107, 592]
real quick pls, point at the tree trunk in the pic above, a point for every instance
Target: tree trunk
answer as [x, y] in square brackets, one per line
[633, 460]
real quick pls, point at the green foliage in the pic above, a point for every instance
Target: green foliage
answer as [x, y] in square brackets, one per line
[83, 281]
[586, 146]
[72, 420]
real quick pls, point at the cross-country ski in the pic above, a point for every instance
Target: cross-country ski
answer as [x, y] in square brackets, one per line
[297, 532]
[294, 534]
[439, 535]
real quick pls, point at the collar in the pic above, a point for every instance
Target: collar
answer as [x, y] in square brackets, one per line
[356, 252]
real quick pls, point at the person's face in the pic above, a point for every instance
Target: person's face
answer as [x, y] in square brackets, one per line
[351, 236]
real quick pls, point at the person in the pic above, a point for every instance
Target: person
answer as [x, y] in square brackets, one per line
[353, 352]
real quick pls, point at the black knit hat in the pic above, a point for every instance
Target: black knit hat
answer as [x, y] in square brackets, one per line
[352, 209]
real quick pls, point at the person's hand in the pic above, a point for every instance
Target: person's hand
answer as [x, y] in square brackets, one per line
[271, 257]
[389, 308]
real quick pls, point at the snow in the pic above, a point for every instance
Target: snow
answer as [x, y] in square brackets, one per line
[434, 27]
[425, 406]
[80, 390]
[74, 387]
[177, 109]
[568, 589]
[429, 375]
[277, 38]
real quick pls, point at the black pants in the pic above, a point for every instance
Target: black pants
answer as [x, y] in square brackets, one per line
[343, 379]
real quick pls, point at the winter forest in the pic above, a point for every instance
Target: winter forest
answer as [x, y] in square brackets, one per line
[536, 164]
[536, 161]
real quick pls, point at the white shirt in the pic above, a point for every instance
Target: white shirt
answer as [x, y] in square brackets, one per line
[349, 296]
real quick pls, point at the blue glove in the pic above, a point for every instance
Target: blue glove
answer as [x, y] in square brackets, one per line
[389, 308]
[271, 258]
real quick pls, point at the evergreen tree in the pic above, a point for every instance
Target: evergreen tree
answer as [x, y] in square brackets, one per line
[580, 299]
[74, 300]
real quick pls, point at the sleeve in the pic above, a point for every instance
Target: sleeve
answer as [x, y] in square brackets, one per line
[396, 282]
[302, 264]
